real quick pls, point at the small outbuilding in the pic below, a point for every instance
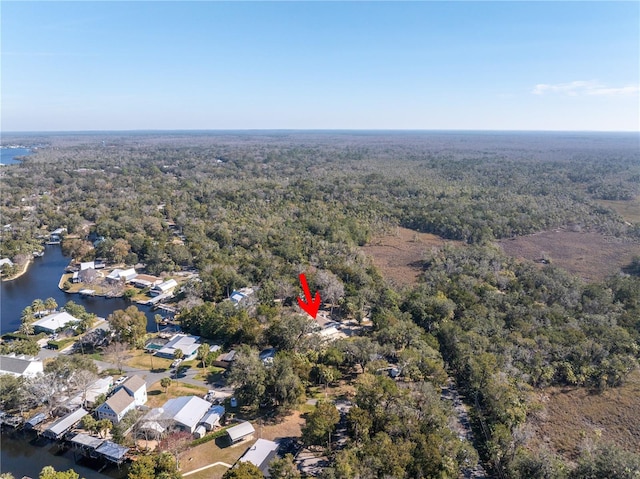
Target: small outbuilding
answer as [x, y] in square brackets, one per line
[244, 430]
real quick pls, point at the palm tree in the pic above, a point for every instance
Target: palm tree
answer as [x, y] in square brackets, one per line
[37, 306]
[27, 315]
[203, 351]
[158, 319]
[50, 304]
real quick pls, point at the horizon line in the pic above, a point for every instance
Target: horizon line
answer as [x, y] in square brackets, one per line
[309, 130]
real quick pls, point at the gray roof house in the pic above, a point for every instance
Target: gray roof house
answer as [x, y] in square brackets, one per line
[184, 342]
[20, 365]
[261, 454]
[186, 411]
[116, 406]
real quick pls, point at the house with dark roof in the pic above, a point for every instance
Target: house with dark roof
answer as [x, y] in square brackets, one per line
[20, 365]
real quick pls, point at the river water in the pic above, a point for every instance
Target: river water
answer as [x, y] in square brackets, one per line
[8, 155]
[41, 281]
[19, 453]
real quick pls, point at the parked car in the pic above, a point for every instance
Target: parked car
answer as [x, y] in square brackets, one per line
[176, 363]
[120, 381]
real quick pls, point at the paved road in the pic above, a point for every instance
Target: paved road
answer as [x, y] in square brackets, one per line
[150, 377]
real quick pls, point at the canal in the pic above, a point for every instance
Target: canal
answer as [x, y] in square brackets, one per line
[20, 454]
[41, 281]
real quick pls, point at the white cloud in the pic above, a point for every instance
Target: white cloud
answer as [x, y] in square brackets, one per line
[584, 88]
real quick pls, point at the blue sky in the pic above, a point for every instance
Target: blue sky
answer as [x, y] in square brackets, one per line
[320, 65]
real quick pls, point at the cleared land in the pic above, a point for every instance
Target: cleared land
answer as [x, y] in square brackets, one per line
[399, 255]
[611, 415]
[629, 210]
[591, 256]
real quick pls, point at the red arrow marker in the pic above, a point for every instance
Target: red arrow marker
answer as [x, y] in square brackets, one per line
[311, 306]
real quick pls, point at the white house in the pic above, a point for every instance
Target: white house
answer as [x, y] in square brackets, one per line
[261, 454]
[125, 275]
[186, 411]
[184, 342]
[116, 406]
[164, 287]
[131, 393]
[20, 365]
[6, 261]
[212, 418]
[137, 388]
[242, 431]
[53, 322]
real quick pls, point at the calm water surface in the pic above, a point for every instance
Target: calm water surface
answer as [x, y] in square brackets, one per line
[9, 155]
[19, 453]
[41, 281]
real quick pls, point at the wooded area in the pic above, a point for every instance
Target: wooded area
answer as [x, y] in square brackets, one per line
[258, 209]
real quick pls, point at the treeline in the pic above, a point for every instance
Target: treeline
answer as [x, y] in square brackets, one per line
[505, 327]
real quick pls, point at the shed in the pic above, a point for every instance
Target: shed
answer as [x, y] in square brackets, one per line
[64, 424]
[241, 431]
[199, 432]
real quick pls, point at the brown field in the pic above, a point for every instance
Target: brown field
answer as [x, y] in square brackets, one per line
[398, 255]
[611, 415]
[592, 256]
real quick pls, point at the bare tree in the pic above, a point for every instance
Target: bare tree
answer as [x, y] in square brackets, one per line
[117, 353]
[82, 380]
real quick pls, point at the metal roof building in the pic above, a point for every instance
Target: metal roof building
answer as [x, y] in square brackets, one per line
[241, 431]
[64, 424]
[261, 454]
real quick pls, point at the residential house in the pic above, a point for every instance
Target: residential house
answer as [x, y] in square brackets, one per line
[184, 342]
[6, 261]
[225, 360]
[261, 454]
[54, 322]
[116, 406]
[212, 418]
[165, 287]
[243, 297]
[20, 365]
[137, 388]
[186, 412]
[125, 275]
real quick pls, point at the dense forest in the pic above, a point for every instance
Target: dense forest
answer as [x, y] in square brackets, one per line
[258, 209]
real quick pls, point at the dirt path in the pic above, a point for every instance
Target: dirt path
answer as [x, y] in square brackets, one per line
[462, 427]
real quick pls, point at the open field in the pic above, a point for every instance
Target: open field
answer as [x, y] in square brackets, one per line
[399, 255]
[611, 415]
[592, 256]
[629, 210]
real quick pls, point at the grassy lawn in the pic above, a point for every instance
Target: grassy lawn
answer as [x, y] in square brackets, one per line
[629, 210]
[157, 397]
[211, 374]
[210, 453]
[142, 360]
